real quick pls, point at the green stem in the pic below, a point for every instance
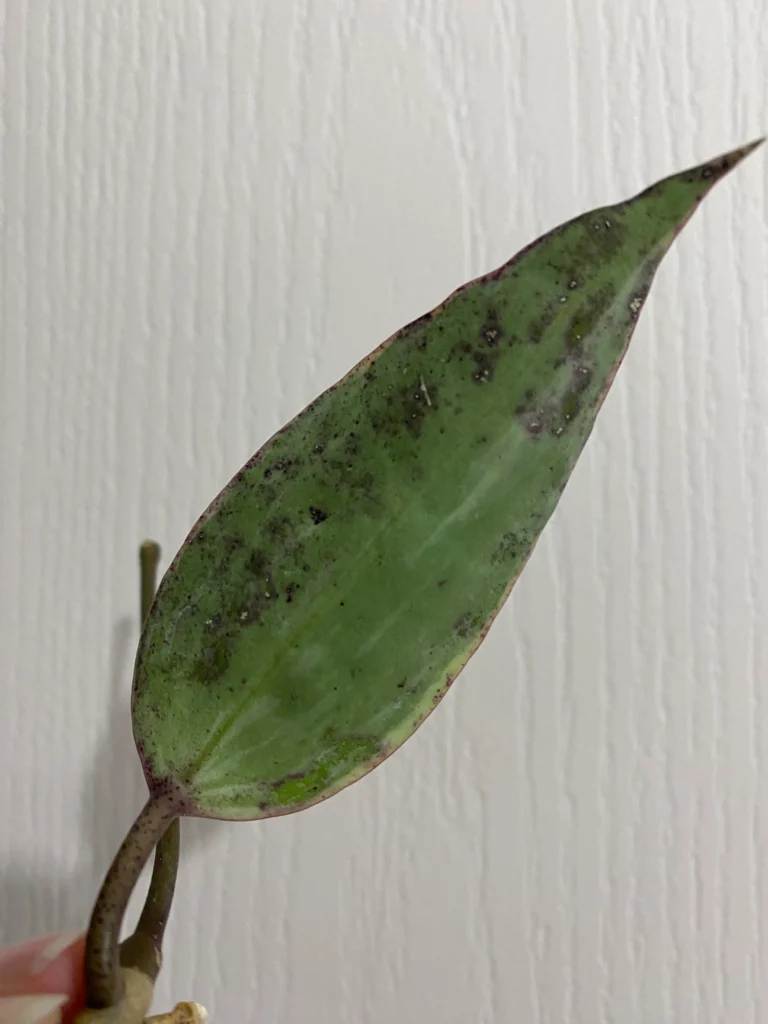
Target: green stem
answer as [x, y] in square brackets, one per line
[143, 949]
[157, 826]
[149, 559]
[102, 974]
[157, 906]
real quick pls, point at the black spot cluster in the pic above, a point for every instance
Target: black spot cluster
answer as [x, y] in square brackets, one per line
[508, 548]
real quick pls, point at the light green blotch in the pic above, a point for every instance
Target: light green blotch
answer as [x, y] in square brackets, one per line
[330, 766]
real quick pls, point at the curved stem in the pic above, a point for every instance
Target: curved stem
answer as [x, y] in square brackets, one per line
[144, 947]
[102, 975]
[157, 906]
[157, 826]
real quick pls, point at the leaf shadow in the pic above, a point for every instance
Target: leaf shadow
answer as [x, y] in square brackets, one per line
[115, 790]
[36, 898]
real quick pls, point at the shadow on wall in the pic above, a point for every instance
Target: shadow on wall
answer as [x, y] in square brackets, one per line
[35, 900]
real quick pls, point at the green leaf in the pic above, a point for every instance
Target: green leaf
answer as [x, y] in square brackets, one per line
[330, 595]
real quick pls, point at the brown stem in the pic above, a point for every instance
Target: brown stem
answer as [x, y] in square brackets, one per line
[156, 827]
[102, 974]
[144, 948]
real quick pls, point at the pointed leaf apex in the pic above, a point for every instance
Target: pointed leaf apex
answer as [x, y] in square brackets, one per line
[750, 146]
[720, 166]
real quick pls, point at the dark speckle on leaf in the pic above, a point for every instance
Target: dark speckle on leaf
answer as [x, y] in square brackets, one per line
[417, 399]
[464, 625]
[532, 421]
[485, 363]
[317, 515]
[213, 624]
[460, 350]
[491, 332]
[540, 325]
[582, 375]
[212, 662]
[257, 563]
[507, 548]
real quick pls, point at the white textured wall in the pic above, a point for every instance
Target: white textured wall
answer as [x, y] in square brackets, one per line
[210, 210]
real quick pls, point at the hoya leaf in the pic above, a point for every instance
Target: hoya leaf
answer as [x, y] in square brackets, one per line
[326, 600]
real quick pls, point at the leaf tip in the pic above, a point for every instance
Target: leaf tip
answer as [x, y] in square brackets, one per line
[755, 144]
[721, 165]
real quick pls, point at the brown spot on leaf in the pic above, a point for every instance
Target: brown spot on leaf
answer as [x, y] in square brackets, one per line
[491, 333]
[531, 415]
[532, 421]
[485, 364]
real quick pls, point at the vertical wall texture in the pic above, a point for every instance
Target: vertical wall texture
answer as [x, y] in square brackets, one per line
[209, 211]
